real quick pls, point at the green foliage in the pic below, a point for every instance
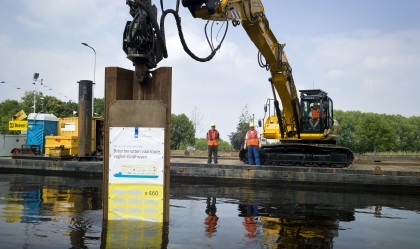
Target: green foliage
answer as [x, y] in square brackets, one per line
[412, 135]
[61, 109]
[201, 144]
[375, 133]
[347, 123]
[360, 132]
[44, 104]
[182, 132]
[8, 109]
[223, 145]
[237, 138]
[99, 106]
[371, 132]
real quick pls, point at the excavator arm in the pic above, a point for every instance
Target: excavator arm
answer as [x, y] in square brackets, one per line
[144, 44]
[250, 14]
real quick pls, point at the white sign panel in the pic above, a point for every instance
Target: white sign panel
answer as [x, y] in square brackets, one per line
[136, 155]
[70, 126]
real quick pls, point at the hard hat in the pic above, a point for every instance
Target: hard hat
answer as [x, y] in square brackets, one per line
[251, 124]
[212, 124]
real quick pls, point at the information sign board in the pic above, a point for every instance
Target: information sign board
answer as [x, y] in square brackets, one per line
[136, 173]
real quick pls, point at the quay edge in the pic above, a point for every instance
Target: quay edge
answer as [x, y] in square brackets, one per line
[360, 176]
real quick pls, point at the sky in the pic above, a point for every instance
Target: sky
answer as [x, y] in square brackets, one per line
[365, 54]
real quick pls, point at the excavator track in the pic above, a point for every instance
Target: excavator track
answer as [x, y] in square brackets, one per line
[302, 155]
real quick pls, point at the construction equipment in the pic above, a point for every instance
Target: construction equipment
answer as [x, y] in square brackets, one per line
[307, 137]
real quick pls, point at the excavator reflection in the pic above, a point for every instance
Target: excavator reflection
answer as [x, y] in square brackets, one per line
[294, 225]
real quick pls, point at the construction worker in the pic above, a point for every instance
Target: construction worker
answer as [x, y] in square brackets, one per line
[252, 142]
[314, 115]
[212, 143]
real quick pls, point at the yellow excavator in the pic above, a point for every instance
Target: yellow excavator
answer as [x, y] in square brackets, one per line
[305, 127]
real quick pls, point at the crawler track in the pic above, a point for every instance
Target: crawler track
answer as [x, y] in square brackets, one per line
[303, 155]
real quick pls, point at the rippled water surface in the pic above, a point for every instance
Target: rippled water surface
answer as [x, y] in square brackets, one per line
[63, 212]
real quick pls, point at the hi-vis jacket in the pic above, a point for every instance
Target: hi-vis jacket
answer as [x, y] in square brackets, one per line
[212, 138]
[315, 113]
[252, 138]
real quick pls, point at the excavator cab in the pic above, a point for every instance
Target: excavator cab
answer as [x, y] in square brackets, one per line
[315, 120]
[316, 112]
[270, 127]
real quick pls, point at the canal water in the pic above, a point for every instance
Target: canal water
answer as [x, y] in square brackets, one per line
[64, 212]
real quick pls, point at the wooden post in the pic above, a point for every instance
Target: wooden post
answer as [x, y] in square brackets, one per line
[130, 104]
[85, 119]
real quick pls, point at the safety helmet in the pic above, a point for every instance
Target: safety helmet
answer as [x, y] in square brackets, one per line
[251, 124]
[212, 124]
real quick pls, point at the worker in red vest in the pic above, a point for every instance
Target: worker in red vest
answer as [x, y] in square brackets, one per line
[252, 142]
[212, 143]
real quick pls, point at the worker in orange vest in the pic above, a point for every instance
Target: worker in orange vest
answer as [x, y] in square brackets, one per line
[252, 142]
[212, 143]
[314, 115]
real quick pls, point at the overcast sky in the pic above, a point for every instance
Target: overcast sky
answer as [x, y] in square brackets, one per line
[365, 54]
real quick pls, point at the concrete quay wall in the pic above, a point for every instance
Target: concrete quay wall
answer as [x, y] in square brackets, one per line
[52, 167]
[356, 176]
[370, 176]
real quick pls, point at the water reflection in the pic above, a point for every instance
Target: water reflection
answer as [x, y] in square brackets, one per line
[301, 218]
[293, 225]
[250, 214]
[302, 226]
[211, 219]
[61, 212]
[36, 209]
[134, 234]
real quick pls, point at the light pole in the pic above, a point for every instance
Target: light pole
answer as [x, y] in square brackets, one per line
[42, 104]
[94, 73]
[36, 75]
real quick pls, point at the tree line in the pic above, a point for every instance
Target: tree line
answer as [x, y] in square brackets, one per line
[358, 131]
[372, 132]
[43, 104]
[183, 131]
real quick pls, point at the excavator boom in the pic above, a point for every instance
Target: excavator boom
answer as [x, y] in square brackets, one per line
[305, 127]
[250, 14]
